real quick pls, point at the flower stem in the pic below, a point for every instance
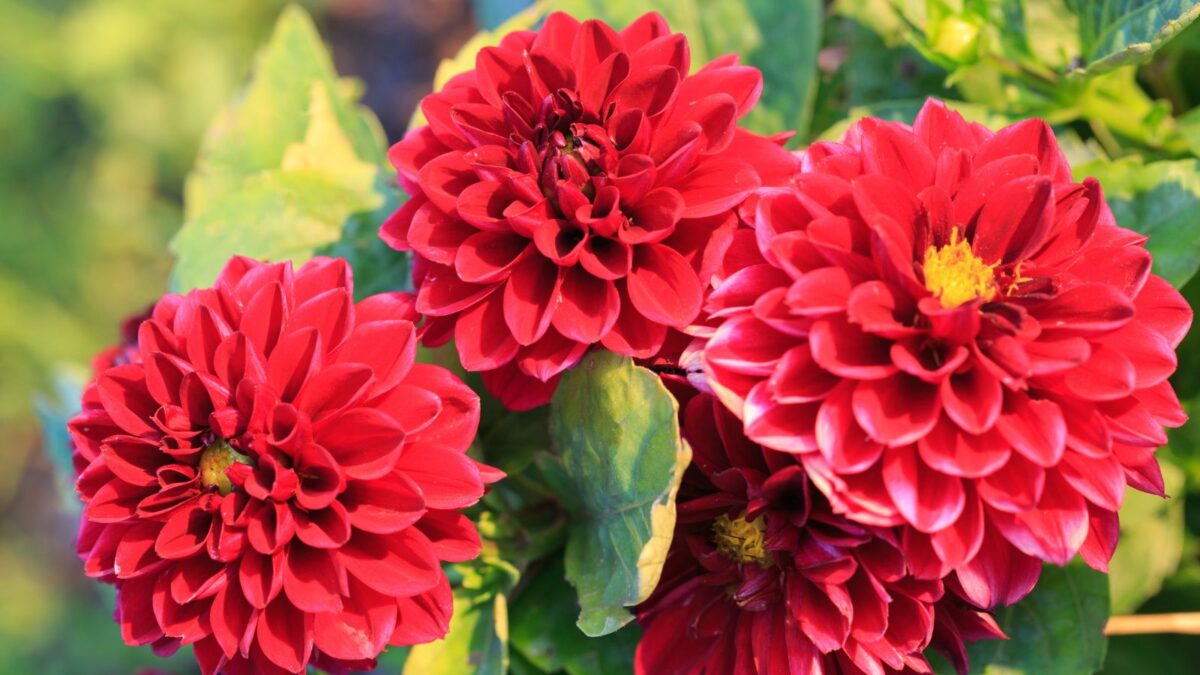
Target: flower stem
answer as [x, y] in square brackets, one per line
[1187, 623]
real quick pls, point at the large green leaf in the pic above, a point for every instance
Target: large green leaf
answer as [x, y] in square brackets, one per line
[543, 630]
[1058, 629]
[619, 465]
[1151, 543]
[1160, 200]
[285, 166]
[1115, 33]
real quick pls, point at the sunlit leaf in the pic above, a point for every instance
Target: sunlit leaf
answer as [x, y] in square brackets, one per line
[616, 428]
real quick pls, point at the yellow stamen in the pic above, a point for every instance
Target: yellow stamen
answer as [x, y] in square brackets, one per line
[741, 540]
[955, 275]
[214, 465]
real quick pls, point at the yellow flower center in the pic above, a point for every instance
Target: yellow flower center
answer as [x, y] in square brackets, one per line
[955, 275]
[214, 465]
[741, 540]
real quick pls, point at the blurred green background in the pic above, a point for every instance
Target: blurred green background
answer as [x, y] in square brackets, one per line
[104, 103]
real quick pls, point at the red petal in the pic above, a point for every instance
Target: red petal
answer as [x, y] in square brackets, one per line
[928, 499]
[448, 478]
[482, 336]
[285, 635]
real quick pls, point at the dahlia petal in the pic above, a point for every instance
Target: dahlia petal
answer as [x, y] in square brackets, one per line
[1107, 375]
[531, 297]
[1123, 267]
[323, 528]
[746, 345]
[976, 189]
[231, 619]
[1014, 221]
[260, 578]
[896, 411]
[384, 507]
[939, 127]
[487, 257]
[890, 149]
[309, 579]
[424, 618]
[133, 459]
[798, 379]
[588, 309]
[448, 478]
[1014, 487]
[398, 565]
[184, 533]
[1053, 531]
[387, 347]
[330, 313]
[927, 498]
[1103, 532]
[125, 398]
[1101, 481]
[293, 361]
[1086, 308]
[334, 388]
[437, 234]
[841, 440]
[550, 355]
[261, 323]
[1035, 428]
[787, 428]
[482, 335]
[954, 452]
[196, 579]
[1150, 354]
[1030, 137]
[651, 90]
[135, 553]
[960, 541]
[716, 185]
[972, 399]
[653, 217]
[632, 335]
[843, 349]
[516, 390]
[1164, 310]
[361, 629]
[451, 534]
[820, 617]
[285, 635]
[662, 48]
[365, 442]
[135, 612]
[999, 573]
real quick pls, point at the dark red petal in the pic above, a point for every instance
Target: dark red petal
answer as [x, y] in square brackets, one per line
[448, 478]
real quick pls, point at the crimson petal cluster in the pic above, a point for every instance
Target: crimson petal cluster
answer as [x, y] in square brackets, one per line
[269, 477]
[576, 188]
[952, 334]
[764, 578]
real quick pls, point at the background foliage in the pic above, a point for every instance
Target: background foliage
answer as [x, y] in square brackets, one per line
[104, 105]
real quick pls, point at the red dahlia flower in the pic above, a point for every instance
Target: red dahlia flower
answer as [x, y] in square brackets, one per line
[576, 188]
[949, 332]
[269, 477]
[764, 578]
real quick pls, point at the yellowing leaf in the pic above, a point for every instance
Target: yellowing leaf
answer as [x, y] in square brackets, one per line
[620, 463]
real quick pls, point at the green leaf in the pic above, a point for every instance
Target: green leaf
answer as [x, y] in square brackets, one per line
[284, 167]
[1160, 200]
[1116, 33]
[477, 642]
[544, 631]
[1151, 543]
[1058, 629]
[621, 459]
